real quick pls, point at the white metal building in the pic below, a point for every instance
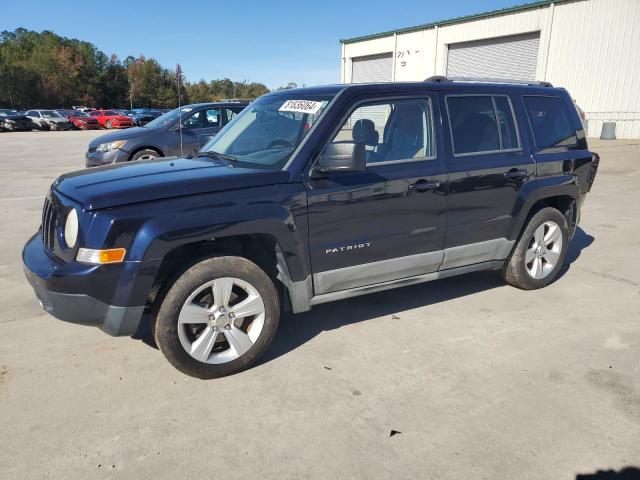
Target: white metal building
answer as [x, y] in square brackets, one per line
[590, 47]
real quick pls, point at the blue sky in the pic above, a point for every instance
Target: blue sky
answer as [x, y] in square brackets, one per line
[273, 42]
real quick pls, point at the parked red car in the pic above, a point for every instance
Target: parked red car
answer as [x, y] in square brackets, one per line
[80, 120]
[111, 119]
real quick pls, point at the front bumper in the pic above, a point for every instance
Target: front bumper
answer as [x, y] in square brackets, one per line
[95, 159]
[60, 126]
[51, 281]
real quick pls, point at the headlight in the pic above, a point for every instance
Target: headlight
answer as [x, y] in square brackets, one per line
[71, 228]
[105, 147]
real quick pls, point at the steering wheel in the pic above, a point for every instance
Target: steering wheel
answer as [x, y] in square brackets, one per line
[280, 142]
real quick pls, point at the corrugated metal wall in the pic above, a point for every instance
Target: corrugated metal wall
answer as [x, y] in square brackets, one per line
[514, 57]
[590, 47]
[595, 53]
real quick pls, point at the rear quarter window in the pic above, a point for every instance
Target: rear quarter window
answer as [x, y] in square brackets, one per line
[550, 121]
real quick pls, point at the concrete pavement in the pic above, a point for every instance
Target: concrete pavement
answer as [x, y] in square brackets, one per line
[481, 379]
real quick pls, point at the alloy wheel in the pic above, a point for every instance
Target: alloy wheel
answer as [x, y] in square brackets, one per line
[544, 250]
[221, 320]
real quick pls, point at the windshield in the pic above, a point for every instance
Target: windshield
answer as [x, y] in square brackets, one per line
[267, 132]
[50, 114]
[169, 117]
[111, 113]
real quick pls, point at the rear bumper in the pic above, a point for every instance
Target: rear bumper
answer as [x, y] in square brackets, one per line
[64, 291]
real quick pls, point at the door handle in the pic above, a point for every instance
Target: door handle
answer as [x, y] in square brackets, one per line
[424, 186]
[516, 174]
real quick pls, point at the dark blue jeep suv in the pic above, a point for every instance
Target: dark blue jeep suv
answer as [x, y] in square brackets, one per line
[309, 196]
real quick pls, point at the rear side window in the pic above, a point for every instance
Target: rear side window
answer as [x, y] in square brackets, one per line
[481, 124]
[550, 121]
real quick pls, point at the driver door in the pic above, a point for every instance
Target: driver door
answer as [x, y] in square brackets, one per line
[387, 222]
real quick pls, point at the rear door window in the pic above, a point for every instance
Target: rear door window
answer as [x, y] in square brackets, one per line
[550, 121]
[481, 124]
[506, 123]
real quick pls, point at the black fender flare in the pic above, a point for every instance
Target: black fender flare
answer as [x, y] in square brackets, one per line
[540, 189]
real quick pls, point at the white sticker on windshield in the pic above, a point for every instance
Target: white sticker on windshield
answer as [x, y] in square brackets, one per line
[303, 106]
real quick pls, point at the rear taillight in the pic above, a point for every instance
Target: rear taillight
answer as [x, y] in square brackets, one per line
[595, 163]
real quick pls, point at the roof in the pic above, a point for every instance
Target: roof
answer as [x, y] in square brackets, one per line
[386, 87]
[312, 90]
[465, 18]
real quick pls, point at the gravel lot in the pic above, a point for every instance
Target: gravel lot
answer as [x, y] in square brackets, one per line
[482, 380]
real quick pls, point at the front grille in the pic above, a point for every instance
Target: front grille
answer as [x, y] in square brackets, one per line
[49, 221]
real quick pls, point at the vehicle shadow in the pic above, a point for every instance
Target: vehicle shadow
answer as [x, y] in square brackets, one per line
[296, 330]
[580, 241]
[627, 473]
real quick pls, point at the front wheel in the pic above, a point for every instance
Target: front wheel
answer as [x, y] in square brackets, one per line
[218, 317]
[108, 124]
[539, 253]
[146, 154]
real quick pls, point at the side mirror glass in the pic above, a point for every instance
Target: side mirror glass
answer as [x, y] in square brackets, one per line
[343, 157]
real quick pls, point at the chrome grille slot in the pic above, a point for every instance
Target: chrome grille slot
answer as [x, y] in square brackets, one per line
[49, 218]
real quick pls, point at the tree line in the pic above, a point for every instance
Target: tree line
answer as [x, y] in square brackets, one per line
[42, 69]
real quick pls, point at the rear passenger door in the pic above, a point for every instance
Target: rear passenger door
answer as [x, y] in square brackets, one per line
[488, 165]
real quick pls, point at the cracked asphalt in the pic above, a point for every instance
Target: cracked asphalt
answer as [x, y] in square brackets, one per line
[461, 378]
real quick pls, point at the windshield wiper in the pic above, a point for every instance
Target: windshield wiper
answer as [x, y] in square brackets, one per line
[213, 154]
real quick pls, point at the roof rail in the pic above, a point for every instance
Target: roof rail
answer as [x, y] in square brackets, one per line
[442, 79]
[437, 79]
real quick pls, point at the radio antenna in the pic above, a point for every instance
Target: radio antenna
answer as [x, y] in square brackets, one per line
[178, 76]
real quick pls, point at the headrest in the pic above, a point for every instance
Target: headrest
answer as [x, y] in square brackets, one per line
[364, 131]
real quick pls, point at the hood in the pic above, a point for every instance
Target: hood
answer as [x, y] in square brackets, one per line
[143, 181]
[136, 132]
[56, 120]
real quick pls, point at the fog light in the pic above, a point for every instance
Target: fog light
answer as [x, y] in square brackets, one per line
[99, 257]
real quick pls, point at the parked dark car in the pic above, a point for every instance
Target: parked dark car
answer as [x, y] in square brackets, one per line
[12, 121]
[80, 120]
[180, 131]
[141, 118]
[314, 195]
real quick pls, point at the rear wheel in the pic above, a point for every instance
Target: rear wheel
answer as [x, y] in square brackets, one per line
[108, 124]
[539, 253]
[218, 317]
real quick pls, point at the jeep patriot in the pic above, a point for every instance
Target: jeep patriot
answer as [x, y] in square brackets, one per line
[313, 195]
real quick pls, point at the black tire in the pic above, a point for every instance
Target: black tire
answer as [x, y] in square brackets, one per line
[166, 324]
[108, 124]
[515, 270]
[147, 153]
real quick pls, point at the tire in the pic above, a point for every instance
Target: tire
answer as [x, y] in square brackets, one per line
[532, 265]
[108, 125]
[189, 317]
[146, 154]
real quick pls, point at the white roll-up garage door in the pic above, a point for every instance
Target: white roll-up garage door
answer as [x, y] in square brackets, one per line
[372, 68]
[514, 58]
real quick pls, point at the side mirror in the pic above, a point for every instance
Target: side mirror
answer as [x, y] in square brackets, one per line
[343, 157]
